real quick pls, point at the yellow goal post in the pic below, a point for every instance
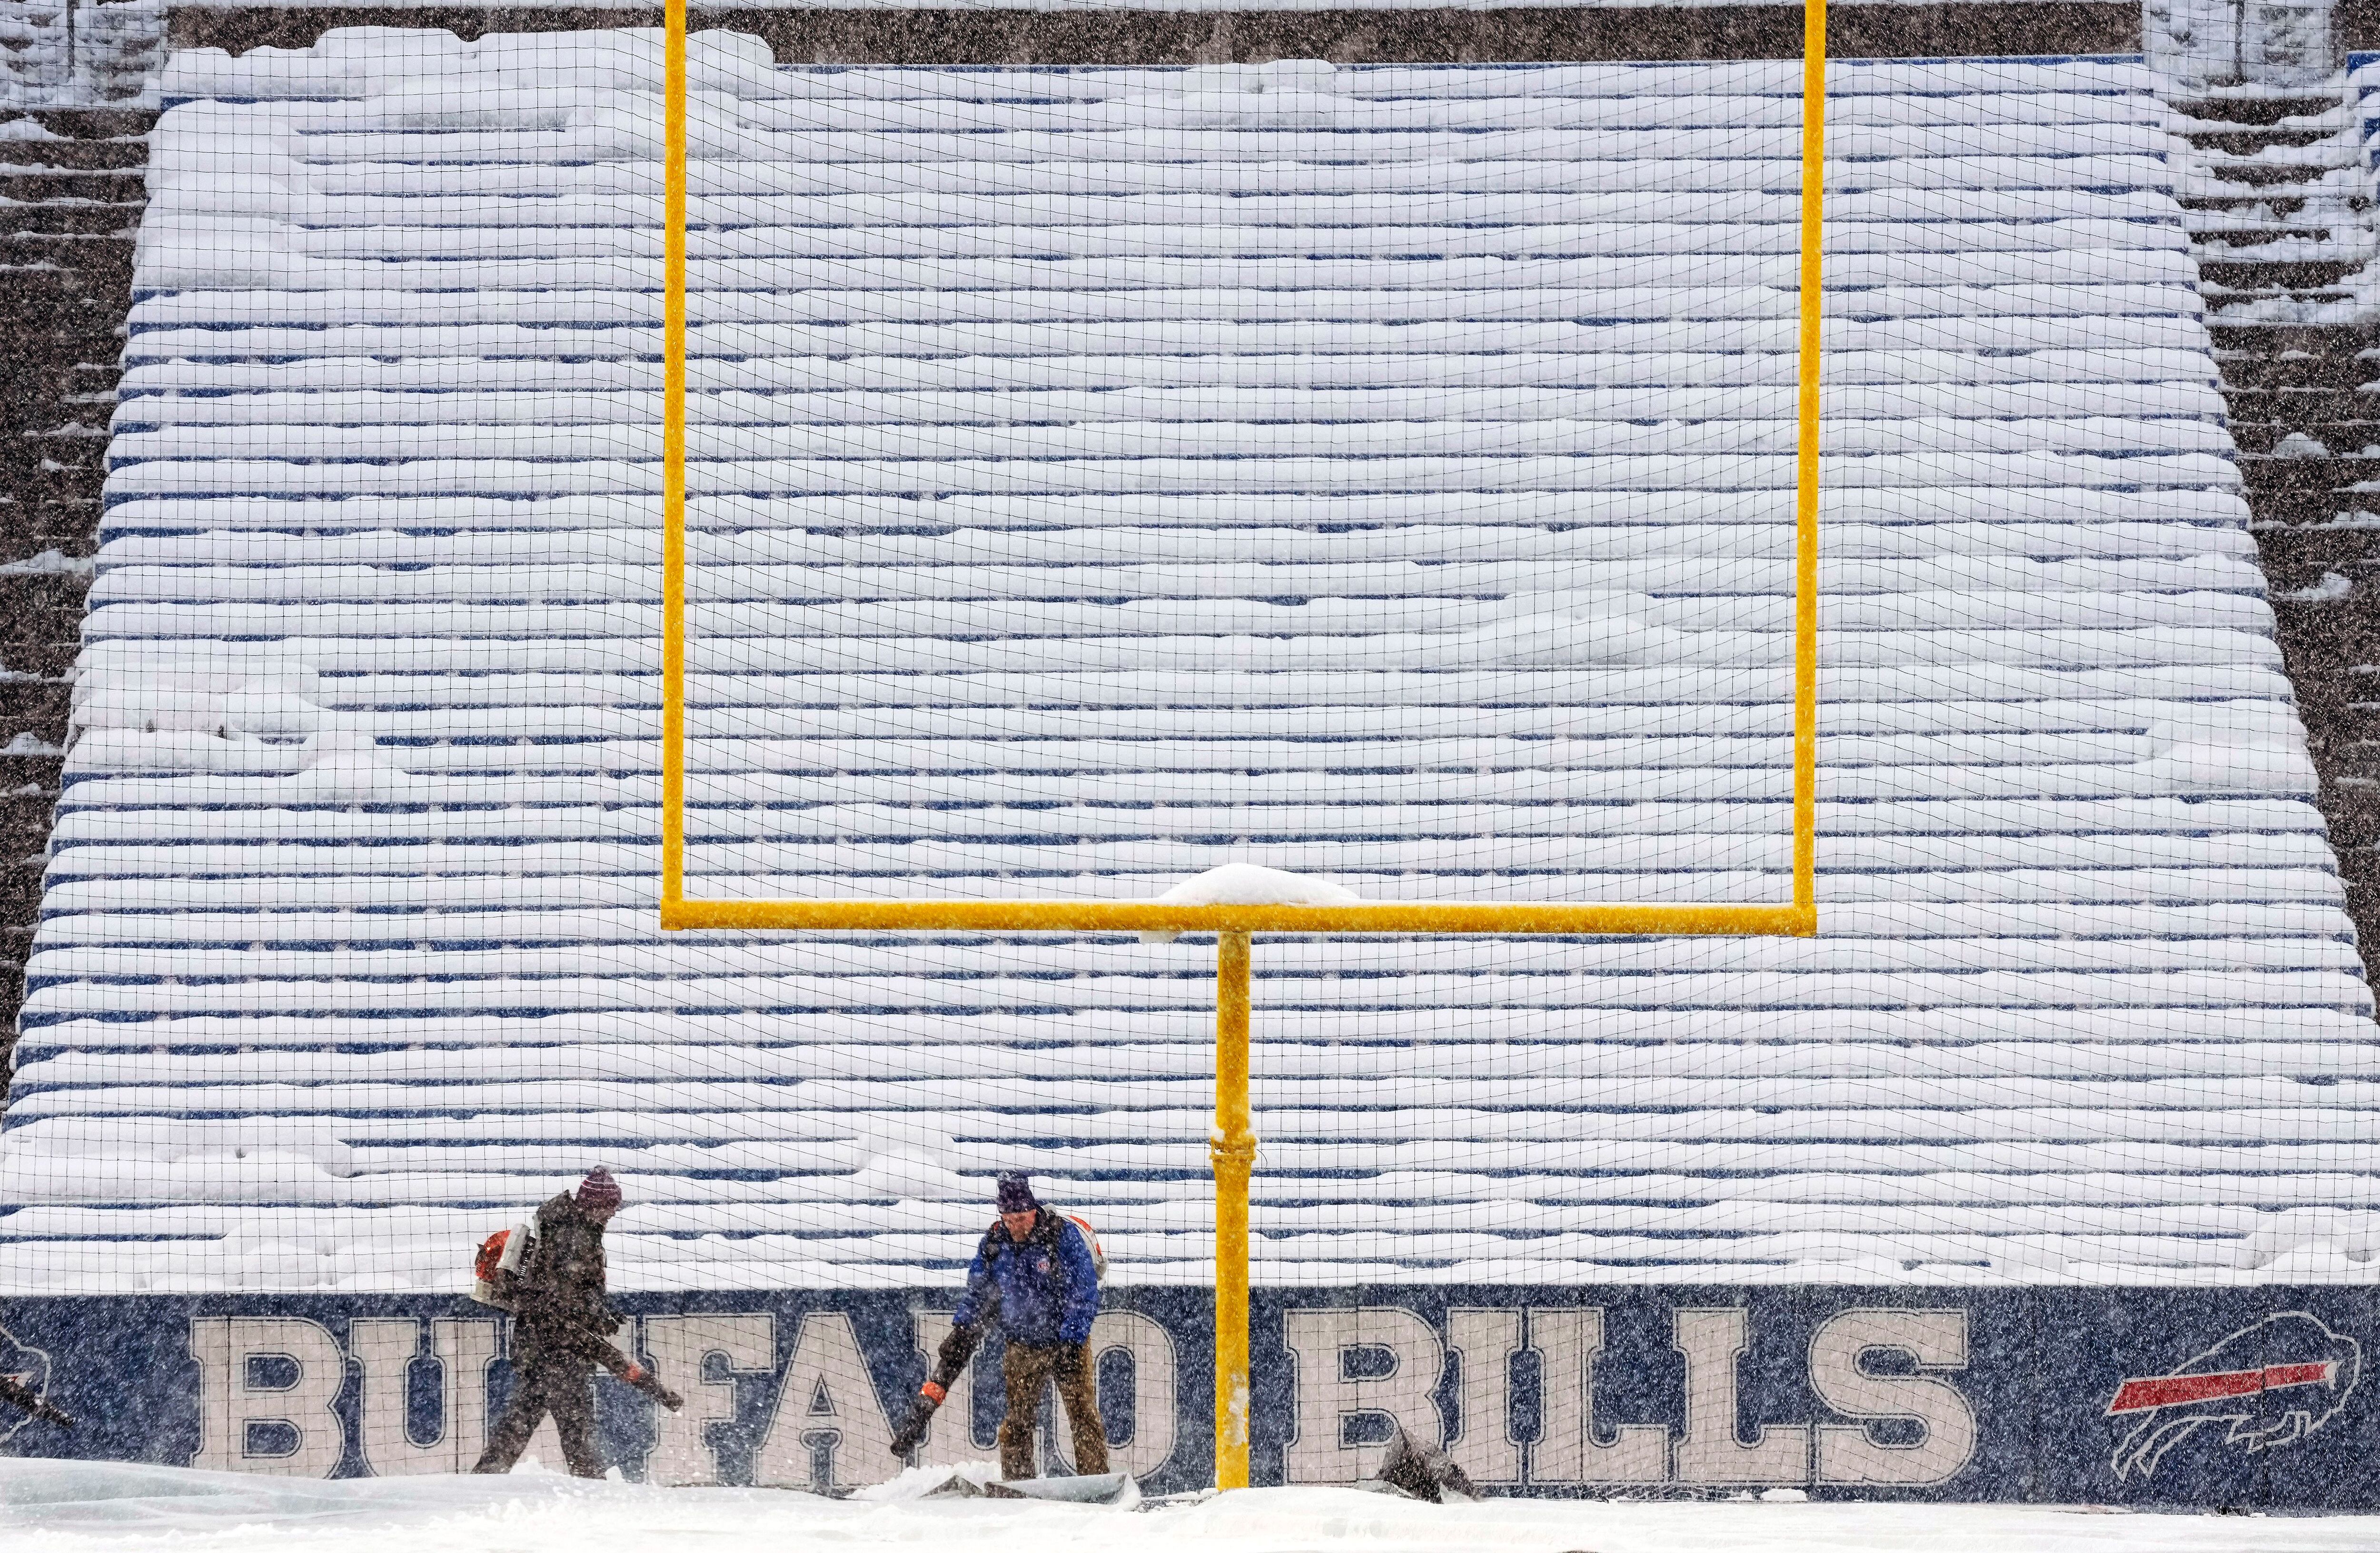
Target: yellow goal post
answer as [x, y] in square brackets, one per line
[1234, 1144]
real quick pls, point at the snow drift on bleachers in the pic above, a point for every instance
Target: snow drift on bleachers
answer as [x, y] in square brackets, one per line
[1103, 475]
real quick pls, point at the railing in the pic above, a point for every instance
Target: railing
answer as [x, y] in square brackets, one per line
[2238, 42]
[79, 53]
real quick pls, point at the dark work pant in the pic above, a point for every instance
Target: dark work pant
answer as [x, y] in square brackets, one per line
[546, 1382]
[1029, 1367]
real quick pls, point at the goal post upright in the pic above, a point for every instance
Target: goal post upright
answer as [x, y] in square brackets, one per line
[1232, 1145]
[673, 642]
[1233, 1148]
[1810, 314]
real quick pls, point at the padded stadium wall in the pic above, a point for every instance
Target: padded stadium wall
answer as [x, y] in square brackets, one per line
[2196, 1397]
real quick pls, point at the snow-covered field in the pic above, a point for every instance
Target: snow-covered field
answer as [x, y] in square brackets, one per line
[70, 1506]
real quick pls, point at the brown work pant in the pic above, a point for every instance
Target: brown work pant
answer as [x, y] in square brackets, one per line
[548, 1381]
[1029, 1367]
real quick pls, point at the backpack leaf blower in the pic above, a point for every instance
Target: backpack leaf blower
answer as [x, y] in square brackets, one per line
[497, 1275]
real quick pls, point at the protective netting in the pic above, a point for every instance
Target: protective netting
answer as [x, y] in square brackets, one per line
[1380, 475]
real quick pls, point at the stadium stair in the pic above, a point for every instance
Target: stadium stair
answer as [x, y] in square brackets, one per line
[347, 946]
[72, 186]
[2279, 209]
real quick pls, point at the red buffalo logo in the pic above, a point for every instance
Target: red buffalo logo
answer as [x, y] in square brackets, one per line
[2275, 1383]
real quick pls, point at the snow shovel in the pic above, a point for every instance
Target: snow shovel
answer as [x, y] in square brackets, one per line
[1099, 1489]
[1424, 1472]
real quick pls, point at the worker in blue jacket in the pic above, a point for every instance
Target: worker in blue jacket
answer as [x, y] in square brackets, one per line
[1035, 1271]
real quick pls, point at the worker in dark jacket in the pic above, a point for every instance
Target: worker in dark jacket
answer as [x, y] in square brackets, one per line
[561, 1298]
[1035, 1268]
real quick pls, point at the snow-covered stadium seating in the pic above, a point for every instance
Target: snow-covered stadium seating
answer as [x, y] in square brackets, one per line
[349, 936]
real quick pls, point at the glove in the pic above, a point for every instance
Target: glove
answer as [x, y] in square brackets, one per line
[912, 1432]
[956, 1350]
[1068, 1365]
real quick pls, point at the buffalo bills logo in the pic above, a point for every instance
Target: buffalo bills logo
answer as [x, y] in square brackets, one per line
[1041, 1264]
[2275, 1383]
[29, 1370]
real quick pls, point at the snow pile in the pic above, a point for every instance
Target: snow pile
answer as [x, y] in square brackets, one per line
[919, 1482]
[49, 562]
[907, 1175]
[1245, 884]
[344, 766]
[230, 1162]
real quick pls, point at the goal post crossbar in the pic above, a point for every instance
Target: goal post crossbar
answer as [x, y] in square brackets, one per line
[1797, 917]
[1147, 916]
[1233, 1144]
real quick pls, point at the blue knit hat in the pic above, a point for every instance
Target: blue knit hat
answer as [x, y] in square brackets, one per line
[1016, 1192]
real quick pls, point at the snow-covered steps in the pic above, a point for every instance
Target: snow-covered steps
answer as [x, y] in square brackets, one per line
[2275, 188]
[72, 180]
[2282, 227]
[2280, 202]
[1099, 476]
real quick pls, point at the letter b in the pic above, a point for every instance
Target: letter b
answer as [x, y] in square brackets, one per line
[268, 1394]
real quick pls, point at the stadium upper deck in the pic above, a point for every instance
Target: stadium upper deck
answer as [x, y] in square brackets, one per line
[1101, 475]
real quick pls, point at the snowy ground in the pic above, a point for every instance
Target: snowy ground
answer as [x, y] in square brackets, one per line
[68, 1507]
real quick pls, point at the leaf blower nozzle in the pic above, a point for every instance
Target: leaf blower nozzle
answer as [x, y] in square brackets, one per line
[956, 1350]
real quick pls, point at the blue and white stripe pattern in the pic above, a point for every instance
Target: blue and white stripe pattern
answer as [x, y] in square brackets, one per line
[1104, 474]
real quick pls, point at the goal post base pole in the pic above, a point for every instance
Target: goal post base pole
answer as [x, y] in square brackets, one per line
[1232, 1150]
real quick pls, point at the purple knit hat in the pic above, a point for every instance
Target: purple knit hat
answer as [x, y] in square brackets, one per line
[598, 1193]
[1016, 1192]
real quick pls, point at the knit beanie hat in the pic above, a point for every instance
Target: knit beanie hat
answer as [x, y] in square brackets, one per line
[598, 1193]
[1016, 1192]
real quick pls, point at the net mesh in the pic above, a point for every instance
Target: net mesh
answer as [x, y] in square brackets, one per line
[1378, 476]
